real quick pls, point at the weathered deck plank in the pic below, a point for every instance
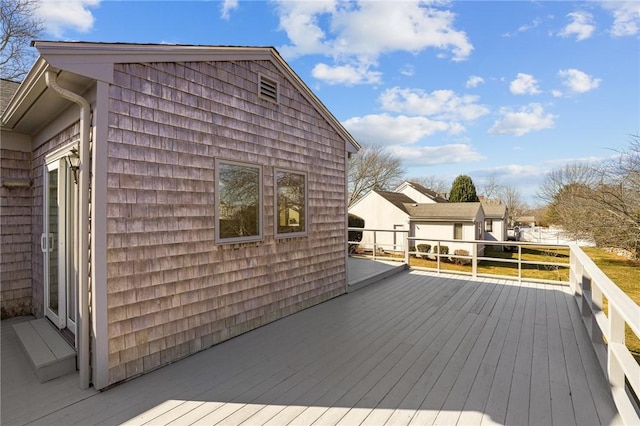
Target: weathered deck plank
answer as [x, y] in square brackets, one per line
[417, 348]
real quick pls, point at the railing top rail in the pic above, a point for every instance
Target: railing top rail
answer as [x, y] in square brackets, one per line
[377, 230]
[628, 309]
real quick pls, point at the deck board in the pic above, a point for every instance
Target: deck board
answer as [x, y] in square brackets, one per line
[415, 348]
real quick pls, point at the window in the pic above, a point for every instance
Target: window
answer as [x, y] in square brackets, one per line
[488, 225]
[457, 231]
[238, 201]
[291, 203]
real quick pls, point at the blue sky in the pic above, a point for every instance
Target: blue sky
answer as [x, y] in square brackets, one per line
[509, 89]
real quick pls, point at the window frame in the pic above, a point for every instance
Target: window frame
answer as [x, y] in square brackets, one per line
[276, 215]
[260, 207]
[488, 225]
[461, 226]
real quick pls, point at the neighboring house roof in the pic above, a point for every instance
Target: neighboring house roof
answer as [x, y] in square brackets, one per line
[7, 89]
[397, 199]
[79, 64]
[444, 211]
[495, 211]
[424, 191]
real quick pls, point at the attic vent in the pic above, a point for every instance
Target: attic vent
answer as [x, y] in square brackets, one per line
[268, 89]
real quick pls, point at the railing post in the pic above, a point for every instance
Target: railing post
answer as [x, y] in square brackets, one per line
[406, 248]
[474, 260]
[375, 245]
[616, 336]
[438, 258]
[519, 263]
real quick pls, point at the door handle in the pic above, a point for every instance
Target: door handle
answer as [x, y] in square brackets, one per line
[43, 243]
[51, 236]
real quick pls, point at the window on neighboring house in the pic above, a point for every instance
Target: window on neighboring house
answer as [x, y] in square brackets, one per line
[457, 231]
[488, 225]
[238, 201]
[291, 203]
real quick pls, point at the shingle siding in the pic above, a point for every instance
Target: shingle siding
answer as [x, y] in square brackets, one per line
[15, 235]
[171, 290]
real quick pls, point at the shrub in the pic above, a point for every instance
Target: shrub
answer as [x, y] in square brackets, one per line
[424, 248]
[460, 261]
[443, 250]
[412, 249]
[355, 222]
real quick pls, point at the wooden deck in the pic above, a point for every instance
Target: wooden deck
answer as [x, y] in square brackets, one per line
[416, 348]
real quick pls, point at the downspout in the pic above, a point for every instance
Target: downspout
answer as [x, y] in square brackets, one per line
[83, 231]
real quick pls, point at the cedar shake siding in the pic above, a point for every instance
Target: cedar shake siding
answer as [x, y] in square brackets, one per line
[15, 232]
[171, 291]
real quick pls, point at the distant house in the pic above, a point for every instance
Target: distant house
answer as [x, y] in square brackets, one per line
[159, 199]
[420, 194]
[424, 213]
[447, 221]
[495, 223]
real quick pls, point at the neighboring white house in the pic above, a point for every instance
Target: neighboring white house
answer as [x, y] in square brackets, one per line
[447, 221]
[426, 214]
[495, 222]
[419, 194]
[383, 210]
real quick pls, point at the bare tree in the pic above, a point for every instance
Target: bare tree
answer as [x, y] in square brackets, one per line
[601, 201]
[374, 167]
[19, 27]
[511, 198]
[491, 188]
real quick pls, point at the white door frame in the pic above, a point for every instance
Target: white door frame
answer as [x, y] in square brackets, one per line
[58, 240]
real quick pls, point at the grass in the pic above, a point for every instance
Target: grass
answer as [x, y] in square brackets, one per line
[503, 265]
[625, 274]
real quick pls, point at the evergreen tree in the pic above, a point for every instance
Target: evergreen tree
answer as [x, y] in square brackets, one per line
[463, 190]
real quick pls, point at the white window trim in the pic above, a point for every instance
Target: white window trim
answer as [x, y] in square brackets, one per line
[461, 231]
[276, 215]
[260, 237]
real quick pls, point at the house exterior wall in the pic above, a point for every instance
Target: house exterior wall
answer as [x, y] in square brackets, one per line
[378, 213]
[443, 231]
[15, 233]
[499, 232]
[171, 291]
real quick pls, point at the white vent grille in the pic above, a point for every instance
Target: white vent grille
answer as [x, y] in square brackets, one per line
[268, 89]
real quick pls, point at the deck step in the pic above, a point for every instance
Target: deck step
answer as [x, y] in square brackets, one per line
[50, 355]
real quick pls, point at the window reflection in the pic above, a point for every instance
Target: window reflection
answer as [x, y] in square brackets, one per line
[239, 201]
[291, 200]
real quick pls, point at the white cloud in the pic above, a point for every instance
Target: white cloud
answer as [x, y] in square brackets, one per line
[227, 7]
[384, 129]
[441, 104]
[408, 70]
[626, 17]
[361, 31]
[415, 156]
[581, 26]
[529, 118]
[578, 81]
[345, 74]
[59, 16]
[524, 84]
[474, 81]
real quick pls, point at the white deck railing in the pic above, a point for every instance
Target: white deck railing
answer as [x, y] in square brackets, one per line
[591, 287]
[607, 330]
